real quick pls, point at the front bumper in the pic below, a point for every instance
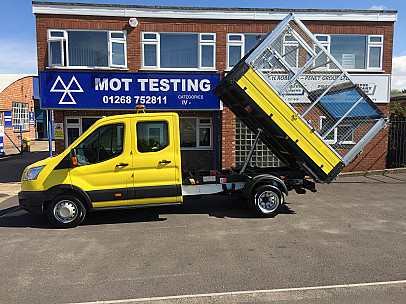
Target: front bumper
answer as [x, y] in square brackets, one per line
[31, 201]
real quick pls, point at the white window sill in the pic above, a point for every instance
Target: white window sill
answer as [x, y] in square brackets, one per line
[86, 68]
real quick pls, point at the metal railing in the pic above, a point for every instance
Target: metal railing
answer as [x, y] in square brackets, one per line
[396, 157]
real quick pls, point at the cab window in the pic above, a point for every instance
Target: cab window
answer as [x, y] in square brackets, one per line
[152, 136]
[104, 143]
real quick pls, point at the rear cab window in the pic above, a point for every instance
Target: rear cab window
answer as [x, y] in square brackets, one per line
[152, 136]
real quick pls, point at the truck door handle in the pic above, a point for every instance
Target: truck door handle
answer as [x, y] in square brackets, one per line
[122, 165]
[165, 162]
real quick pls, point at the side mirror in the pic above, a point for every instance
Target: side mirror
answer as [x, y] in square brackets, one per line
[73, 159]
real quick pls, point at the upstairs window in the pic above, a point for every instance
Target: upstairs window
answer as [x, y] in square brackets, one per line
[178, 51]
[238, 45]
[87, 49]
[355, 52]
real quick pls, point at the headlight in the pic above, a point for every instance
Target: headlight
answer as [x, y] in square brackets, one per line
[32, 173]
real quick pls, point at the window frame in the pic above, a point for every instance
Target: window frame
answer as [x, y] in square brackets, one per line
[368, 46]
[240, 43]
[157, 42]
[335, 140]
[200, 125]
[18, 114]
[64, 41]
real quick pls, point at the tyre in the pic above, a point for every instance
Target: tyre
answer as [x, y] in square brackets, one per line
[66, 211]
[266, 201]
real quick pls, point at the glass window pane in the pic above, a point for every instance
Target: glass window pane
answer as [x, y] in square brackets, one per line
[56, 34]
[251, 41]
[204, 137]
[207, 37]
[349, 50]
[375, 57]
[110, 141]
[188, 132]
[152, 136]
[179, 50]
[87, 123]
[234, 55]
[150, 36]
[207, 55]
[118, 53]
[102, 144]
[291, 55]
[73, 134]
[117, 35]
[322, 38]
[56, 52]
[234, 37]
[88, 48]
[150, 55]
[375, 39]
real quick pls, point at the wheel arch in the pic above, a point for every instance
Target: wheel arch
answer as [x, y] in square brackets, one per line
[52, 192]
[264, 179]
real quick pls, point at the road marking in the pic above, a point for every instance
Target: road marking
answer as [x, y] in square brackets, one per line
[233, 293]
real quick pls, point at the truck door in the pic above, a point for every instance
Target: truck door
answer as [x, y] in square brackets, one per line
[157, 177]
[104, 168]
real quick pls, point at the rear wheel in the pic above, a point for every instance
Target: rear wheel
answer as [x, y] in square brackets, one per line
[266, 201]
[66, 211]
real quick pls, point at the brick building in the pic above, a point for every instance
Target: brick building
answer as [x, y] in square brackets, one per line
[96, 60]
[16, 108]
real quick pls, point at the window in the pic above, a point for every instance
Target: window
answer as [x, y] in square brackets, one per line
[152, 136]
[355, 52]
[178, 51]
[102, 144]
[238, 45]
[20, 116]
[1, 119]
[196, 133]
[343, 134]
[76, 126]
[87, 49]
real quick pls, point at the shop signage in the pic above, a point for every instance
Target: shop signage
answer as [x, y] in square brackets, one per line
[32, 120]
[377, 87]
[58, 131]
[106, 90]
[8, 120]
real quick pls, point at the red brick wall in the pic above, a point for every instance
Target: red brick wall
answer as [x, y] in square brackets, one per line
[373, 156]
[19, 91]
[221, 28]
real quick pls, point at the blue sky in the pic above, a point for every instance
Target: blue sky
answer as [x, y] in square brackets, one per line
[17, 27]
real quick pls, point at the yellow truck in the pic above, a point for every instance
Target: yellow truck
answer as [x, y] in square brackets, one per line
[134, 160]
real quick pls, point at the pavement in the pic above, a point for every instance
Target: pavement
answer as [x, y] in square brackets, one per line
[345, 243]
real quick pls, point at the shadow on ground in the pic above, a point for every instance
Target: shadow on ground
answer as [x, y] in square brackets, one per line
[219, 206]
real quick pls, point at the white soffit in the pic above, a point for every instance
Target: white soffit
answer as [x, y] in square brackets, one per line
[205, 13]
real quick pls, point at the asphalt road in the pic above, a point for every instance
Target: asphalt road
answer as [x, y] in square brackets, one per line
[322, 248]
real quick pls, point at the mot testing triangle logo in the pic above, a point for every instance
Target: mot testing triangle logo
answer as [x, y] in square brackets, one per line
[60, 87]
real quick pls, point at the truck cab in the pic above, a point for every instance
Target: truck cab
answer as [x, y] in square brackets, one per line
[120, 161]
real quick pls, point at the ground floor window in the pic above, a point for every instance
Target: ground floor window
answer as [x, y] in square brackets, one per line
[20, 116]
[196, 133]
[262, 156]
[76, 126]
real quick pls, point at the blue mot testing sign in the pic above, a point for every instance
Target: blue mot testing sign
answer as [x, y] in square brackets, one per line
[106, 90]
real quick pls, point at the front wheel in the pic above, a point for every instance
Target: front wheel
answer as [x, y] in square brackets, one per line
[66, 211]
[266, 201]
